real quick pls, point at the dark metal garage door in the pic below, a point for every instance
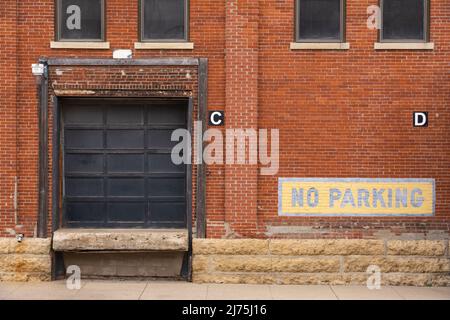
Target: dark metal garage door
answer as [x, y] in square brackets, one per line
[117, 164]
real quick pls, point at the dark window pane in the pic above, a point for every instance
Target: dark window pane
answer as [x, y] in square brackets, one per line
[167, 114]
[122, 163]
[403, 19]
[319, 19]
[162, 163]
[126, 139]
[84, 187]
[163, 19]
[126, 187]
[84, 163]
[125, 115]
[85, 115]
[167, 212]
[166, 187]
[161, 139]
[85, 211]
[126, 211]
[80, 19]
[83, 139]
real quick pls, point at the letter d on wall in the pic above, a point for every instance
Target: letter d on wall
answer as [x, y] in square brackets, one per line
[420, 119]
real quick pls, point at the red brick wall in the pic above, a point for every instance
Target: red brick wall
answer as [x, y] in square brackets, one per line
[8, 107]
[241, 58]
[340, 113]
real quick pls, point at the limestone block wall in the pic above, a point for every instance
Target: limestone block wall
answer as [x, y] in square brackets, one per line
[28, 260]
[282, 261]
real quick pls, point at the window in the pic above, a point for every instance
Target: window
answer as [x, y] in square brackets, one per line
[404, 20]
[80, 20]
[319, 20]
[164, 20]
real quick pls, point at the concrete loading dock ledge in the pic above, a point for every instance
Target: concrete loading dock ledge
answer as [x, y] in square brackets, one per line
[120, 240]
[123, 253]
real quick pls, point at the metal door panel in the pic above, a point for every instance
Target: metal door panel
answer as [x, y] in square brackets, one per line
[117, 164]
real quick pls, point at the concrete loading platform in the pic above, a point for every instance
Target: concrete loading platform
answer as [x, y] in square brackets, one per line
[123, 253]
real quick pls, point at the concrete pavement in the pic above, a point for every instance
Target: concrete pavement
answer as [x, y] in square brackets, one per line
[174, 290]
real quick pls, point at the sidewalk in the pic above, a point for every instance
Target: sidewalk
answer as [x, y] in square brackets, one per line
[170, 290]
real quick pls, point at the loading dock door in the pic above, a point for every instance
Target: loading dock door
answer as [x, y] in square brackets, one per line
[117, 164]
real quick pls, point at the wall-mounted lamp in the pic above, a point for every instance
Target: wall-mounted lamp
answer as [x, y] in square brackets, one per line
[38, 70]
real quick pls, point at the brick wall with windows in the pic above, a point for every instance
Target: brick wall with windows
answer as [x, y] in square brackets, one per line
[341, 113]
[348, 113]
[32, 35]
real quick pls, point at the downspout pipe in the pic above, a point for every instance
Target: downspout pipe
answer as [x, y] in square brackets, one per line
[42, 89]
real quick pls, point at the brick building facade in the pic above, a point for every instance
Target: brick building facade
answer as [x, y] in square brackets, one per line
[344, 109]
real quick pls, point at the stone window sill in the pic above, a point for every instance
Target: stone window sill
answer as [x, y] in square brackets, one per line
[320, 46]
[404, 46]
[79, 45]
[164, 45]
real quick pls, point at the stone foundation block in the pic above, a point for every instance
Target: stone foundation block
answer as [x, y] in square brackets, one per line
[397, 264]
[420, 247]
[324, 261]
[28, 245]
[25, 263]
[306, 264]
[28, 260]
[231, 246]
[326, 247]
